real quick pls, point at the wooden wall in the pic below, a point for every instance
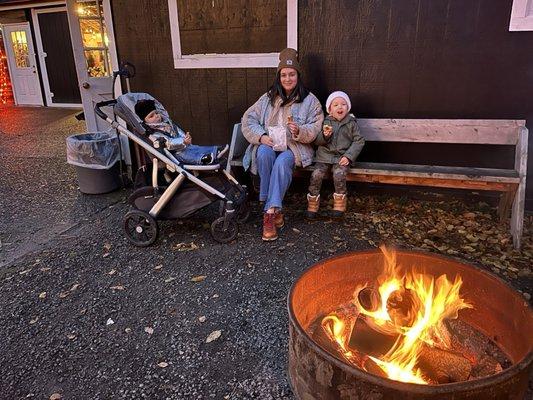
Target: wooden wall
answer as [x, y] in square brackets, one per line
[395, 58]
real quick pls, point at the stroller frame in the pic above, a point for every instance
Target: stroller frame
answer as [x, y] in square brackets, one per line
[224, 229]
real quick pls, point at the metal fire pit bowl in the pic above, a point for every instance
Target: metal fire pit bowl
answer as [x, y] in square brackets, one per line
[500, 313]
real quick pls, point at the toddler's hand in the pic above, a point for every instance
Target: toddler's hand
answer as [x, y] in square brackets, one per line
[327, 130]
[188, 139]
[344, 161]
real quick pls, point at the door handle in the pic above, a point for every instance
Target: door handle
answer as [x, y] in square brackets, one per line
[86, 85]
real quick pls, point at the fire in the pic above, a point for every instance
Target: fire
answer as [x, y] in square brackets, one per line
[411, 306]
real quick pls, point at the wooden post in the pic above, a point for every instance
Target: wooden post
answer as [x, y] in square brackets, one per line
[517, 215]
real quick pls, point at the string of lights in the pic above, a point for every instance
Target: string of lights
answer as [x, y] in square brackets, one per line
[6, 94]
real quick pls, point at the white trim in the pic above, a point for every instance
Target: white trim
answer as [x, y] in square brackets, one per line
[111, 46]
[521, 16]
[41, 55]
[250, 60]
[32, 5]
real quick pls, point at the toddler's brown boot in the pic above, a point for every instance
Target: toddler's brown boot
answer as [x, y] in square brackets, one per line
[339, 204]
[269, 228]
[313, 203]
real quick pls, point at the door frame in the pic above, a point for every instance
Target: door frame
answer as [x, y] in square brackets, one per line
[41, 55]
[10, 60]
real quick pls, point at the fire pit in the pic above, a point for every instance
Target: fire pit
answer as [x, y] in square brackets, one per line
[323, 369]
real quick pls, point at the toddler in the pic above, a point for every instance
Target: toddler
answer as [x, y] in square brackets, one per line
[181, 142]
[339, 143]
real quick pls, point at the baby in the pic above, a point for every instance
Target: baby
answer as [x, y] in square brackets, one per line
[339, 143]
[181, 143]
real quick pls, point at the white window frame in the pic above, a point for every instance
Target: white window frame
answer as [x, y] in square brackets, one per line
[245, 60]
[521, 16]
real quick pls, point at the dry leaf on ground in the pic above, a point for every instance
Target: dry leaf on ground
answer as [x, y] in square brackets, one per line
[198, 278]
[149, 330]
[213, 336]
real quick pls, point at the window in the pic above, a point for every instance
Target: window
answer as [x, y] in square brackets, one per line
[522, 16]
[20, 49]
[94, 37]
[231, 34]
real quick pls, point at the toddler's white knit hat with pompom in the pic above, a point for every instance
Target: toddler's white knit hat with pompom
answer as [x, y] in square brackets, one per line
[340, 94]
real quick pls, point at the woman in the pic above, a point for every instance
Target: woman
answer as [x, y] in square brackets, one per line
[288, 110]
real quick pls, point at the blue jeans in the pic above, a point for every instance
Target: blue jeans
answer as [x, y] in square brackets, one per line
[275, 174]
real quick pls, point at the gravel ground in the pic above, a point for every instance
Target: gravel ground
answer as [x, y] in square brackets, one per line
[85, 315]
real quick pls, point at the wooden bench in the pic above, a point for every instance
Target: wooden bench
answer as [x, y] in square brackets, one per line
[511, 182]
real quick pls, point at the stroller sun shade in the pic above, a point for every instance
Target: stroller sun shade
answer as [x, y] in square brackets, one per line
[125, 109]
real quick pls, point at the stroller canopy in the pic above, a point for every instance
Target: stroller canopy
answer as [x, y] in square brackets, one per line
[125, 109]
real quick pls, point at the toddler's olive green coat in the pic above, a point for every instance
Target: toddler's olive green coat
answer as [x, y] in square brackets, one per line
[346, 140]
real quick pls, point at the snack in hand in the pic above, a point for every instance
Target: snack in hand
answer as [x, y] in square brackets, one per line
[289, 119]
[327, 129]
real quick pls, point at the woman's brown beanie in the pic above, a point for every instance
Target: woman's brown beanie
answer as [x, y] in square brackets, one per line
[288, 58]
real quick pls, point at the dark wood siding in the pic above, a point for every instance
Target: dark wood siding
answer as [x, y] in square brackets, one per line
[395, 58]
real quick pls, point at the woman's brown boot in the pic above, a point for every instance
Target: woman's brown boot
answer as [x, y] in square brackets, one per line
[313, 203]
[339, 204]
[269, 227]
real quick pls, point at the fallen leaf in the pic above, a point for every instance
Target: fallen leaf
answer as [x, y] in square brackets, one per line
[198, 278]
[185, 246]
[42, 295]
[45, 269]
[24, 272]
[34, 320]
[112, 272]
[62, 295]
[162, 364]
[127, 330]
[149, 330]
[117, 287]
[158, 266]
[213, 336]
[55, 396]
[107, 246]
[105, 255]
[202, 318]
[170, 279]
[296, 230]
[109, 322]
[74, 287]
[71, 336]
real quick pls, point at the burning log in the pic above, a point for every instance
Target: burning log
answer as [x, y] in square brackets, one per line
[401, 306]
[443, 366]
[367, 340]
[369, 298]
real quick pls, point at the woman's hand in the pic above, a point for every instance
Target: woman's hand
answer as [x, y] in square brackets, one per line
[187, 140]
[293, 129]
[266, 140]
[344, 161]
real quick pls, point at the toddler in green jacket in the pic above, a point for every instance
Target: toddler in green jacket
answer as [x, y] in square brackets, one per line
[339, 143]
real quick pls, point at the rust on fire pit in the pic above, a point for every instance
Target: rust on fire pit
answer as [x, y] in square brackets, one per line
[499, 313]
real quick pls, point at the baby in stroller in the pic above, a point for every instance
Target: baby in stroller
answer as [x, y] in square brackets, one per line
[180, 143]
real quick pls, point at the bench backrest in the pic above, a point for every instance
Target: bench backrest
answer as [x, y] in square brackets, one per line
[459, 131]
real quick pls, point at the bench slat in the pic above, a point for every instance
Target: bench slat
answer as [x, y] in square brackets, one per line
[500, 132]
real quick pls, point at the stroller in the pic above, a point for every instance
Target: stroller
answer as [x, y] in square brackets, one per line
[177, 190]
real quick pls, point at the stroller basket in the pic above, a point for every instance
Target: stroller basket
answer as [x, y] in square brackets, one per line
[176, 190]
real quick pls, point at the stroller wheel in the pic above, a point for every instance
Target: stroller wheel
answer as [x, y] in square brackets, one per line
[243, 213]
[140, 228]
[221, 234]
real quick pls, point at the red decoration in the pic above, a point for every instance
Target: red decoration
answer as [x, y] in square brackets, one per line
[6, 92]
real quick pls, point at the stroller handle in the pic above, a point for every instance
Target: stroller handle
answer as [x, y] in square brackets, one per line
[99, 112]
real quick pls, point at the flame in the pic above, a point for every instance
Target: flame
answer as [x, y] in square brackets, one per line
[424, 303]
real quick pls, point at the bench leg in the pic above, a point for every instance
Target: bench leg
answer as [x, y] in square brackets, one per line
[504, 207]
[517, 215]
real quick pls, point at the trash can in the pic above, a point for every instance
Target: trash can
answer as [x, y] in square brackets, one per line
[96, 159]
